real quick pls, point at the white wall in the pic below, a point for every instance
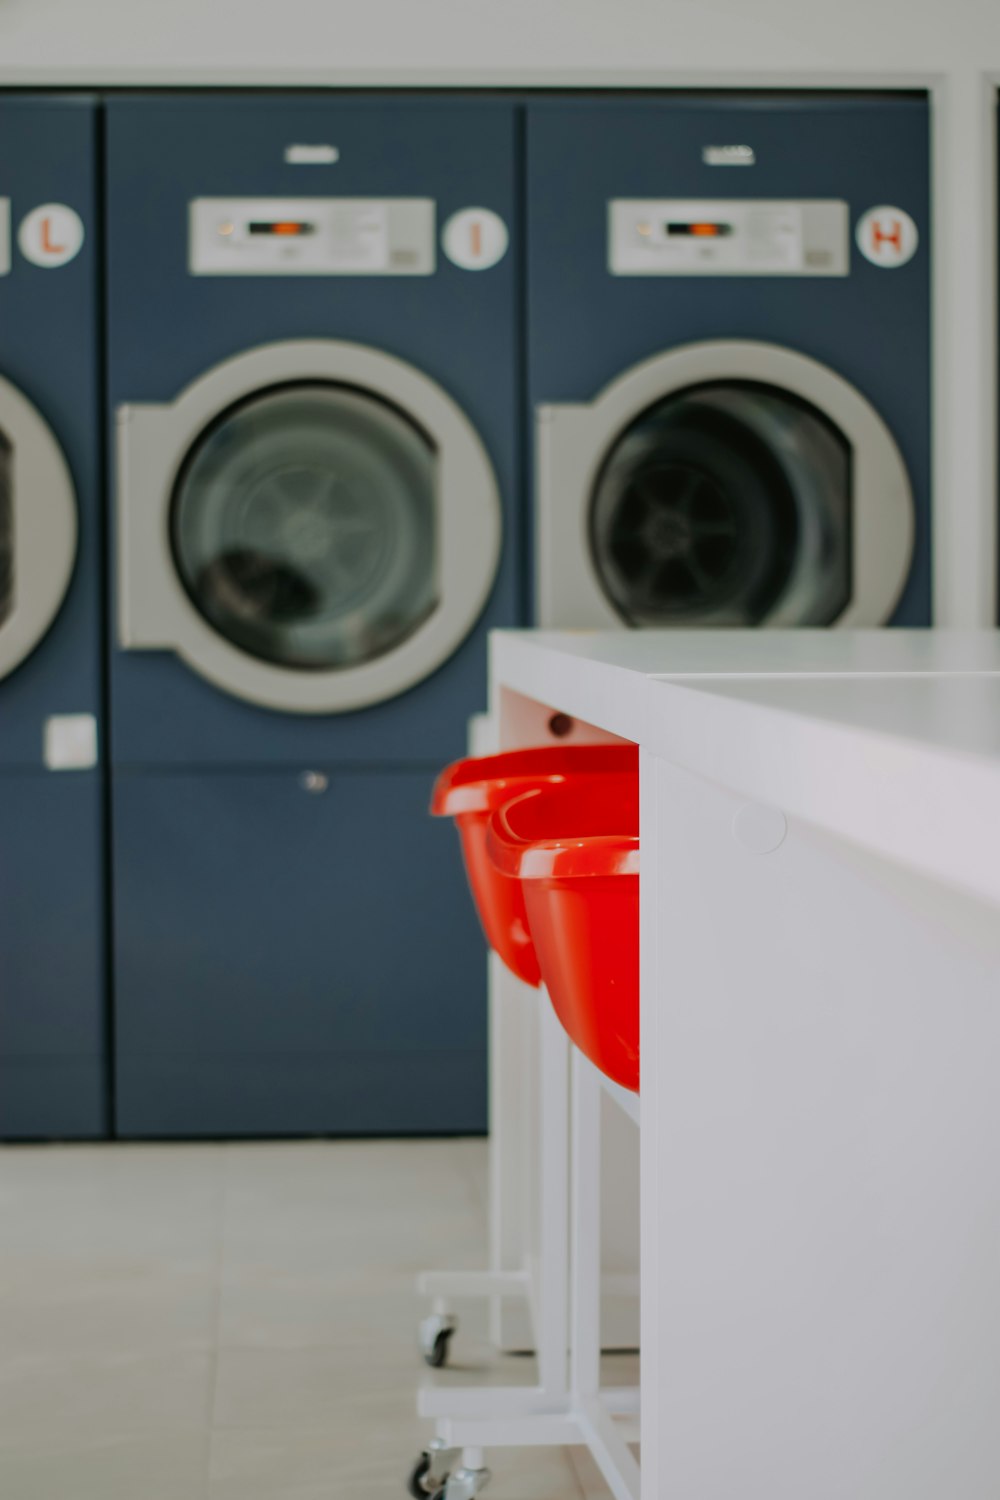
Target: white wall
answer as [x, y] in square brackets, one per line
[950, 46]
[322, 40]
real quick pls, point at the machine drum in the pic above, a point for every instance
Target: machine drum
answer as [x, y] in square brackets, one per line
[719, 505]
[304, 525]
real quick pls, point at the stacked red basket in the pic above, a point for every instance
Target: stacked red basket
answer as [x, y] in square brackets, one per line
[551, 844]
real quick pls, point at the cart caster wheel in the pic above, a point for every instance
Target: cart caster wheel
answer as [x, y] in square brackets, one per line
[437, 1356]
[429, 1476]
[436, 1334]
[415, 1483]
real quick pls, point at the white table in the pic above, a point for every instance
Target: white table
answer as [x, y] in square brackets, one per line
[820, 1109]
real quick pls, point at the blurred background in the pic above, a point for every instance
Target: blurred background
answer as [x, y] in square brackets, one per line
[330, 341]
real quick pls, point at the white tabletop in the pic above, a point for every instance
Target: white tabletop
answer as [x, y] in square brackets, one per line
[674, 653]
[888, 738]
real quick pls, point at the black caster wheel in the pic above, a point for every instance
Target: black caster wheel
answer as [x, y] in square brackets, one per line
[415, 1483]
[433, 1338]
[418, 1489]
[430, 1475]
[437, 1356]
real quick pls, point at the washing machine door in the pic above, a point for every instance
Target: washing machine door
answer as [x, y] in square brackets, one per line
[38, 527]
[728, 484]
[312, 526]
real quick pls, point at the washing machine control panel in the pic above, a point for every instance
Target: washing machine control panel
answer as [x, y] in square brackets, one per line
[311, 236]
[728, 237]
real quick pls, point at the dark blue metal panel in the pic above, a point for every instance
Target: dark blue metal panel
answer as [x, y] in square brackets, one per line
[49, 350]
[169, 1096]
[52, 1006]
[291, 961]
[167, 327]
[52, 978]
[51, 1098]
[873, 327]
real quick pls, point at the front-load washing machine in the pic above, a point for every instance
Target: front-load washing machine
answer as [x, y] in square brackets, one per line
[52, 897]
[313, 369]
[729, 357]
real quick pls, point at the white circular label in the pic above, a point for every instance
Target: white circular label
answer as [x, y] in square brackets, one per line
[50, 235]
[475, 238]
[887, 236]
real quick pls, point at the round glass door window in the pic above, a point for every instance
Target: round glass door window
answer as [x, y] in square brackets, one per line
[727, 503]
[304, 526]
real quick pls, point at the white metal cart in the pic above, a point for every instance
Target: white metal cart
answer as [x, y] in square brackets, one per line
[563, 1287]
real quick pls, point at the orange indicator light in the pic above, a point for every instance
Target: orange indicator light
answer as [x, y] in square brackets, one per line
[280, 226]
[697, 229]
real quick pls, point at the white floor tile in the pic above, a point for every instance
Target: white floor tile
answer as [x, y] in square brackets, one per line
[316, 1464]
[104, 1393]
[207, 1322]
[403, 1240]
[106, 1467]
[156, 1310]
[535, 1474]
[280, 1310]
[302, 1388]
[474, 1158]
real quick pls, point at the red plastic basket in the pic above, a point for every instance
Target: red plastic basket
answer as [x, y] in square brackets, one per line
[574, 849]
[471, 790]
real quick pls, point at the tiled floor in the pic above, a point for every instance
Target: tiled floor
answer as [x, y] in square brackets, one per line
[223, 1321]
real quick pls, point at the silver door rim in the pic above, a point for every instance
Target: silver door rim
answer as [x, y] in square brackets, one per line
[45, 527]
[155, 610]
[574, 440]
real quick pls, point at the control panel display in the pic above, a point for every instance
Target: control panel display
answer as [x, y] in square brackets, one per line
[311, 237]
[735, 237]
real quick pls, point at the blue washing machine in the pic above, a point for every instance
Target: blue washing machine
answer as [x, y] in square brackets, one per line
[313, 368]
[729, 359]
[52, 896]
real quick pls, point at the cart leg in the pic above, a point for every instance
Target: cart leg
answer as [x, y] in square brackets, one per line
[552, 1290]
[585, 1230]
